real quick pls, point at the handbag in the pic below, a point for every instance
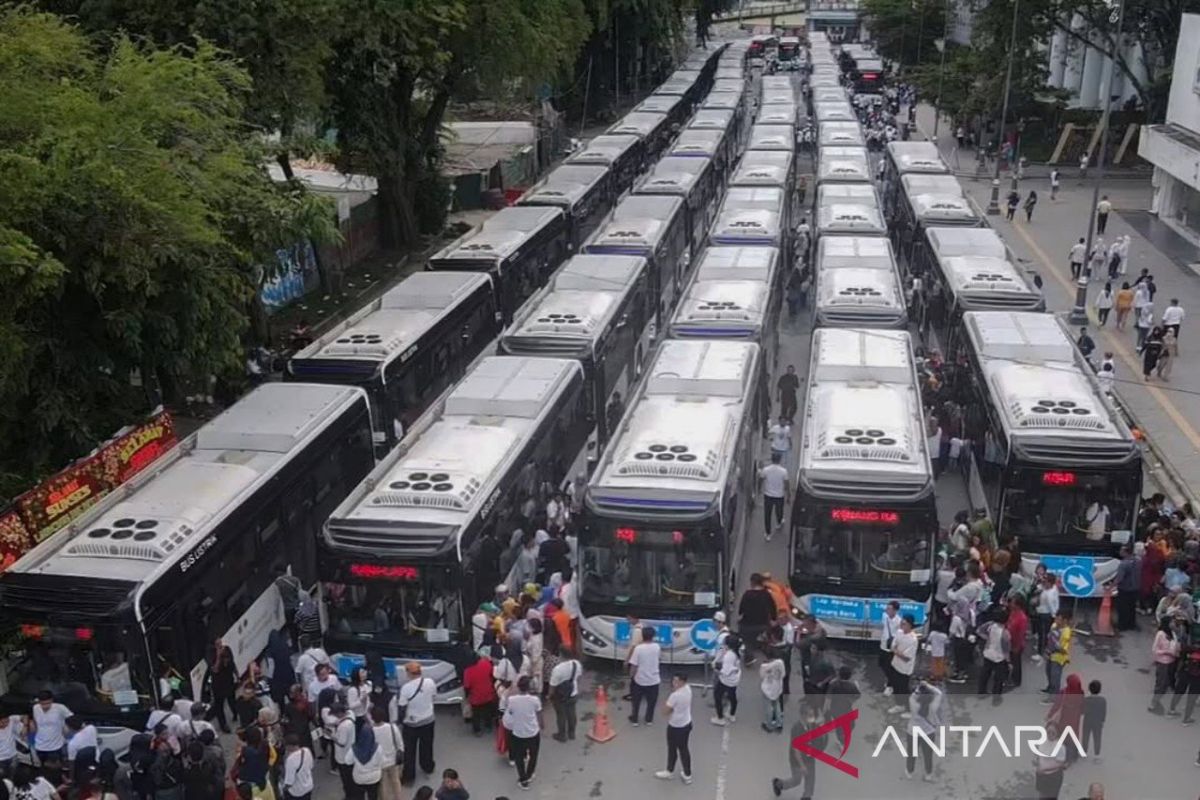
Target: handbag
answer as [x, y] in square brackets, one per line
[501, 740]
[467, 712]
[563, 691]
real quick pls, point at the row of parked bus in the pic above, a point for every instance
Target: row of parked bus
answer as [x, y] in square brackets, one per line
[218, 537]
[1045, 449]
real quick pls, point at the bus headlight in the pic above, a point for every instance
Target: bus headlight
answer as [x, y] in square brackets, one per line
[591, 638]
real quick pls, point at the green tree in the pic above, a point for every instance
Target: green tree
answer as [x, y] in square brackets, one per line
[905, 31]
[134, 217]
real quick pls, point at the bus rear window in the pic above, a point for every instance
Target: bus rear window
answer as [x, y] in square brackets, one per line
[87, 665]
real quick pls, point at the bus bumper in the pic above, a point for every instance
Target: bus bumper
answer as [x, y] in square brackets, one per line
[443, 673]
[848, 617]
[611, 637]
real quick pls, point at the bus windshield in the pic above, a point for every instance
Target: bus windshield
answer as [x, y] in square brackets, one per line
[397, 604]
[86, 667]
[651, 567]
[1056, 502]
[861, 545]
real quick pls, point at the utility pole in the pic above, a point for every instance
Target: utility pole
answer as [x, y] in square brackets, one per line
[994, 203]
[1079, 312]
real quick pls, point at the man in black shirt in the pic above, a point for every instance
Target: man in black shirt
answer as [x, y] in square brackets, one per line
[787, 385]
[756, 612]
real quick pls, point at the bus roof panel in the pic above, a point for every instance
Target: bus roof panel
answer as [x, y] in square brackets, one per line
[1025, 336]
[965, 242]
[737, 263]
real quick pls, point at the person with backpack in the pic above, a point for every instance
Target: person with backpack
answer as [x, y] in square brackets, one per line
[203, 778]
[338, 723]
[167, 771]
[321, 694]
[564, 694]
[729, 675]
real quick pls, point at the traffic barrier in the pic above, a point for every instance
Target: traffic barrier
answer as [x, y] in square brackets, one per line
[601, 731]
[1104, 625]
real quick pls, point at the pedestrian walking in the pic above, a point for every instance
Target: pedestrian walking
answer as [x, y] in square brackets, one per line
[729, 675]
[1144, 324]
[1104, 302]
[1097, 259]
[904, 661]
[564, 695]
[1123, 304]
[1152, 350]
[1114, 259]
[775, 483]
[1095, 712]
[1083, 165]
[1172, 316]
[1086, 344]
[480, 686]
[1030, 202]
[1055, 179]
[1018, 628]
[1102, 211]
[1076, 258]
[771, 683]
[644, 676]
[787, 386]
[843, 694]
[757, 612]
[414, 704]
[925, 715]
[679, 729]
[1187, 684]
[780, 435]
[1166, 358]
[803, 766]
[523, 721]
[1165, 650]
[47, 723]
[1011, 204]
[1045, 602]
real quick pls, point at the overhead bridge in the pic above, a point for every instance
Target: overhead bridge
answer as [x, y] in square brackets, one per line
[754, 11]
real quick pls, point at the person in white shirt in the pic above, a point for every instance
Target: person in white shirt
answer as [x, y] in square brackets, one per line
[1172, 317]
[780, 435]
[306, 664]
[904, 659]
[26, 785]
[367, 768]
[391, 746]
[48, 723]
[414, 704]
[164, 715]
[679, 729]
[729, 676]
[297, 782]
[1096, 515]
[775, 484]
[1045, 609]
[1054, 182]
[523, 721]
[565, 675]
[1076, 258]
[325, 679]
[196, 724]
[358, 693]
[81, 734]
[889, 628]
[12, 730]
[339, 723]
[644, 676]
[771, 682]
[997, 647]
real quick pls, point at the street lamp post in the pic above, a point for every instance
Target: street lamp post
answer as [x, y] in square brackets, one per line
[937, 102]
[994, 203]
[1079, 311]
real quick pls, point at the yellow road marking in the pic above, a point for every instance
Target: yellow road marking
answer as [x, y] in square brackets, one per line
[1116, 344]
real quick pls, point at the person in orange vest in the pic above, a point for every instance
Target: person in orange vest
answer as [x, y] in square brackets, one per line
[780, 593]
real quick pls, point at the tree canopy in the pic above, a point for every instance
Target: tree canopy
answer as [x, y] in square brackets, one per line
[134, 217]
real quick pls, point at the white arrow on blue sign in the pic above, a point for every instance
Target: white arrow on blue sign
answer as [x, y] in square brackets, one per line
[703, 634]
[1078, 581]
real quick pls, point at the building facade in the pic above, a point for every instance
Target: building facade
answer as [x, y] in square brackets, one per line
[1174, 146]
[1074, 66]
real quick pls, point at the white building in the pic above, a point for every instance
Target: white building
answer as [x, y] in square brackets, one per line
[1174, 147]
[1073, 65]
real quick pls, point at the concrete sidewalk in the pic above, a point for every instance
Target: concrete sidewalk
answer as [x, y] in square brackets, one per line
[1169, 412]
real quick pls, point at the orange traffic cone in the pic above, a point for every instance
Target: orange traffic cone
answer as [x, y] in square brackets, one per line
[1104, 625]
[601, 731]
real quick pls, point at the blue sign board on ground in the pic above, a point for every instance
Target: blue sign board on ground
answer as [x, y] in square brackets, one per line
[703, 634]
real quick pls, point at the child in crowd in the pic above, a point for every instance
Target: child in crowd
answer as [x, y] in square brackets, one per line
[771, 674]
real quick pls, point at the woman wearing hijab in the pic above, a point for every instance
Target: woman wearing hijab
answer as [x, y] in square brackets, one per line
[367, 769]
[534, 647]
[1067, 711]
[1152, 350]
